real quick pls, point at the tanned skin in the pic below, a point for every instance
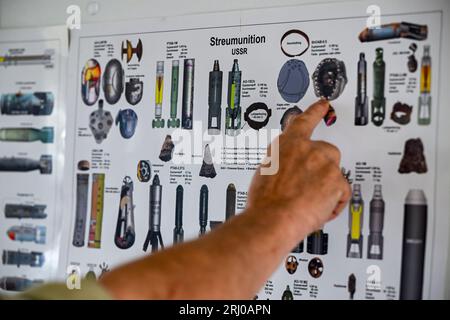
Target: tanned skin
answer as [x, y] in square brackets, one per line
[235, 260]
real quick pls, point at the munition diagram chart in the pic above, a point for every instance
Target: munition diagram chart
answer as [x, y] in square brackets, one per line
[140, 91]
[32, 63]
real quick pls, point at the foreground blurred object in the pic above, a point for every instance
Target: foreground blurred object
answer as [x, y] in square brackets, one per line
[17, 284]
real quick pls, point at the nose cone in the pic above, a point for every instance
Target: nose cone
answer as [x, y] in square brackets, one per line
[11, 235]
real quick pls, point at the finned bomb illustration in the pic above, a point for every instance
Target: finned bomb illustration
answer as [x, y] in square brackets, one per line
[154, 237]
[178, 232]
[44, 164]
[44, 135]
[203, 209]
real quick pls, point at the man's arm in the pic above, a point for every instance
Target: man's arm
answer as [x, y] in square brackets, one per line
[235, 260]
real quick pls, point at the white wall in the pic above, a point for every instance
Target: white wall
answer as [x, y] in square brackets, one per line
[30, 13]
[33, 13]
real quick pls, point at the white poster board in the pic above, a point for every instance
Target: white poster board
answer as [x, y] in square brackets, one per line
[118, 64]
[32, 82]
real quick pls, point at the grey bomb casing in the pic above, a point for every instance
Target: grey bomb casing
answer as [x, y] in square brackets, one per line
[293, 80]
[113, 81]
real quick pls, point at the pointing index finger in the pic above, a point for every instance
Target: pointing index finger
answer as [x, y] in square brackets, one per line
[305, 123]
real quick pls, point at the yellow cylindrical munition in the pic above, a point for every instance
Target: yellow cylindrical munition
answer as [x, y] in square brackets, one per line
[159, 87]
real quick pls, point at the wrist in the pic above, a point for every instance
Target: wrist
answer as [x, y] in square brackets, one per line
[292, 225]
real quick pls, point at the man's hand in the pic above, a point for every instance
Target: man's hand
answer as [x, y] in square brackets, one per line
[234, 261]
[309, 186]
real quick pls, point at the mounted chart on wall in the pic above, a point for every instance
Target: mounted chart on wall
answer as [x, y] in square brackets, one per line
[167, 121]
[142, 90]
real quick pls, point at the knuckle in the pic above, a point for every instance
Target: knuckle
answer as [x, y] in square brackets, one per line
[335, 150]
[334, 174]
[330, 149]
[299, 124]
[299, 118]
[344, 186]
[317, 154]
[292, 125]
[348, 189]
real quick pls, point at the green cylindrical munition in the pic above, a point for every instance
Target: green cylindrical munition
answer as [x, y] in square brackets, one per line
[233, 111]
[379, 100]
[187, 107]
[174, 122]
[45, 135]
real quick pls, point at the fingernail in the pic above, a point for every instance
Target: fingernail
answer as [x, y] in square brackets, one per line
[324, 101]
[330, 118]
